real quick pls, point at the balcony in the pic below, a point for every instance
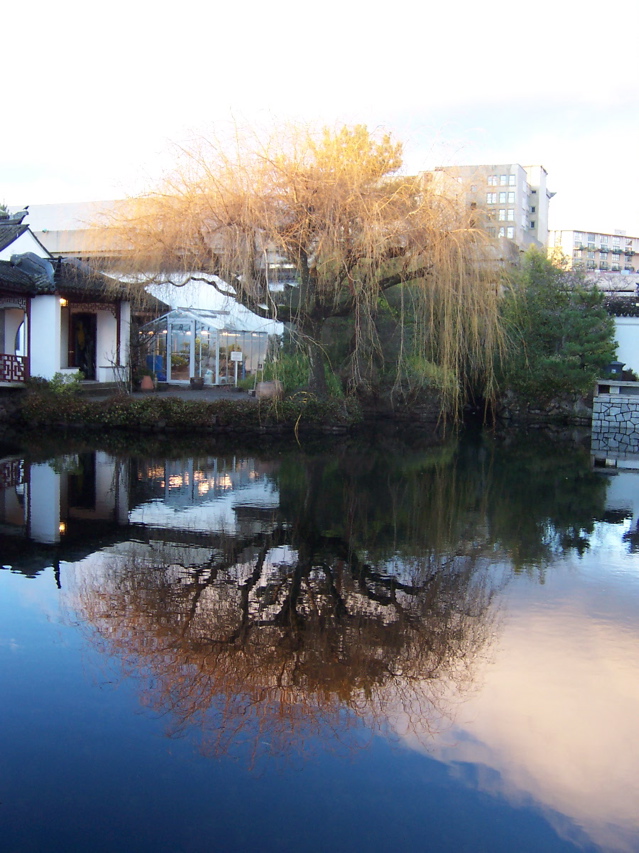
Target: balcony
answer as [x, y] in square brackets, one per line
[13, 368]
[616, 250]
[603, 265]
[629, 252]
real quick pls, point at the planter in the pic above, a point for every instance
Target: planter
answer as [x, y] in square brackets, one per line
[197, 383]
[147, 384]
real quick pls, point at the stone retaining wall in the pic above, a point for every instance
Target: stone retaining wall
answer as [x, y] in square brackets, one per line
[615, 423]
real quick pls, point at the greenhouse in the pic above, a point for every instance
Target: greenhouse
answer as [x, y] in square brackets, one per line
[192, 343]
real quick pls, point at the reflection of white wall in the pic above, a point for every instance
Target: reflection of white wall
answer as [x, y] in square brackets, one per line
[623, 492]
[44, 504]
[11, 509]
[105, 483]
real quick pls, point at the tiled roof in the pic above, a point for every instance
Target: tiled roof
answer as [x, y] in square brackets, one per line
[72, 279]
[76, 279]
[14, 280]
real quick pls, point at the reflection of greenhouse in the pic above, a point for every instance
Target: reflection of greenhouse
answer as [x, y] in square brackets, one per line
[199, 343]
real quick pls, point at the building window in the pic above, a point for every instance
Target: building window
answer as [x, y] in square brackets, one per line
[533, 209]
[491, 198]
[503, 180]
[502, 232]
[532, 223]
[511, 233]
[511, 215]
[492, 180]
[591, 256]
[603, 255]
[502, 198]
[473, 188]
[491, 231]
[511, 180]
[511, 198]
[502, 215]
[604, 238]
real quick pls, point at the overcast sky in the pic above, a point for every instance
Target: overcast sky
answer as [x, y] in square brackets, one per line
[94, 93]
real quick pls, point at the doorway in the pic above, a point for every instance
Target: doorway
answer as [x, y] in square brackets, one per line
[82, 343]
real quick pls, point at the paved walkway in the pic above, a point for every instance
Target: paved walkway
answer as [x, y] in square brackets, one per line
[182, 392]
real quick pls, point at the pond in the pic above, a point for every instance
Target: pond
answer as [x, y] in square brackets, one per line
[366, 645]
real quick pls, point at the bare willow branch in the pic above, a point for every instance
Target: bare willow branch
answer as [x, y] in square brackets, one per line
[307, 227]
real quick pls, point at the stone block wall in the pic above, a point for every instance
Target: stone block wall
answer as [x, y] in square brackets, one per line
[615, 423]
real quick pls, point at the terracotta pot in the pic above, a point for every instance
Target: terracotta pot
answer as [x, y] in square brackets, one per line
[146, 383]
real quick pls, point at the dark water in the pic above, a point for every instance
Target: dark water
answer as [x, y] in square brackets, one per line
[369, 647]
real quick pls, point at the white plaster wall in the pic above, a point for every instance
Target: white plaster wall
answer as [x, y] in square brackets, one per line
[125, 332]
[106, 346]
[627, 336]
[13, 318]
[25, 243]
[45, 336]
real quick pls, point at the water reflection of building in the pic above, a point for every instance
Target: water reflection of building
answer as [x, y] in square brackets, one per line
[69, 506]
[203, 493]
[45, 501]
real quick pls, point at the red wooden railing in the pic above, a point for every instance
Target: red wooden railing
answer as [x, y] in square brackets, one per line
[13, 368]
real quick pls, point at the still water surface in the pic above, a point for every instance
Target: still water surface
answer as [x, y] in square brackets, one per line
[356, 647]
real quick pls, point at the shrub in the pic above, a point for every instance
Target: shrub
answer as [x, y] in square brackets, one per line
[561, 335]
[61, 384]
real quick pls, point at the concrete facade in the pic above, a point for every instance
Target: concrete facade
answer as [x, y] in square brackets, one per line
[512, 201]
[596, 252]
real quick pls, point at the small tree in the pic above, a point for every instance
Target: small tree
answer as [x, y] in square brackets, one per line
[561, 335]
[329, 219]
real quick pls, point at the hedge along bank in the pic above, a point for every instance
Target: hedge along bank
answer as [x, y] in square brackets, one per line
[36, 410]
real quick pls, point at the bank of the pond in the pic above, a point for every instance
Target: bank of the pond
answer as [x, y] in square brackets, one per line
[175, 412]
[220, 411]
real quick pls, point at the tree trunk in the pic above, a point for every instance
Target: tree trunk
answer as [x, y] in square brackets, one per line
[317, 359]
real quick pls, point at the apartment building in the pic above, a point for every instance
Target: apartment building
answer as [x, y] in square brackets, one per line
[512, 200]
[610, 259]
[591, 251]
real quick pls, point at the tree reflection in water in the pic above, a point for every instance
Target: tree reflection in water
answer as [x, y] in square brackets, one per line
[369, 596]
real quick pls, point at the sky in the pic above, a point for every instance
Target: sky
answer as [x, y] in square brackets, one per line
[97, 96]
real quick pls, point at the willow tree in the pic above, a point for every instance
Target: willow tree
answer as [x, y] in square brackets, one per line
[334, 211]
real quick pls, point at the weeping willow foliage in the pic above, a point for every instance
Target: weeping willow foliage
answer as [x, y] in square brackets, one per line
[334, 213]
